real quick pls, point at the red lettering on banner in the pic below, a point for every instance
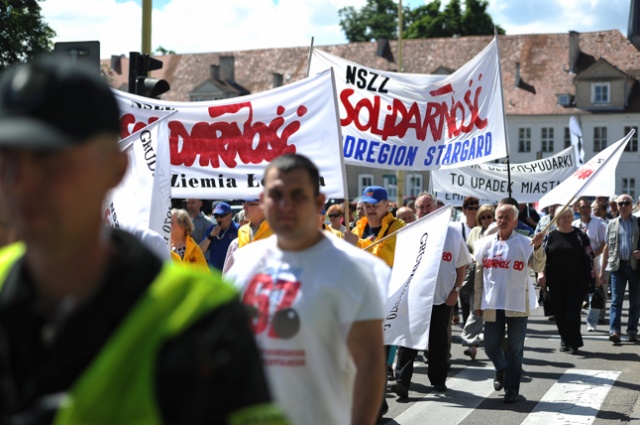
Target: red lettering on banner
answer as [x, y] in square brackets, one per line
[129, 119]
[583, 174]
[460, 115]
[495, 263]
[446, 256]
[228, 140]
[518, 265]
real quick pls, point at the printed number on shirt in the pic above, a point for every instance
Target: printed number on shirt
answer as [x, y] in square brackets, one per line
[269, 305]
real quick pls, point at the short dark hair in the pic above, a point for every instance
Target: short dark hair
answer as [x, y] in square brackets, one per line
[293, 161]
[508, 201]
[470, 200]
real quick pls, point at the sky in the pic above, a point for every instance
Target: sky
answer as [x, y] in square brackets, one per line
[194, 26]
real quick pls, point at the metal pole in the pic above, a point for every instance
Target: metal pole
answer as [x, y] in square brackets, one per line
[147, 7]
[399, 173]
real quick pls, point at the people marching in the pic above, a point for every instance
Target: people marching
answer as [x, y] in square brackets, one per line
[276, 320]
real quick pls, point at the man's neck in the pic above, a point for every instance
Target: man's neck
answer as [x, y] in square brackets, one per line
[586, 219]
[254, 225]
[300, 245]
[503, 235]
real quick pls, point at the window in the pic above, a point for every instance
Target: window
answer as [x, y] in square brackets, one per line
[600, 93]
[413, 183]
[599, 138]
[629, 187]
[364, 181]
[632, 146]
[390, 182]
[524, 139]
[567, 137]
[546, 137]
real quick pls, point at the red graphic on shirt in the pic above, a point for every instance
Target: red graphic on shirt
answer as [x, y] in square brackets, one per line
[583, 174]
[518, 265]
[270, 306]
[446, 256]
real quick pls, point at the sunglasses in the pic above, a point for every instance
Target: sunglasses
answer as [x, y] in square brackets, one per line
[219, 215]
[473, 207]
[486, 217]
[334, 215]
[624, 203]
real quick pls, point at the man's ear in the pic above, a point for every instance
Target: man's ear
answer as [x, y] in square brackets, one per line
[320, 200]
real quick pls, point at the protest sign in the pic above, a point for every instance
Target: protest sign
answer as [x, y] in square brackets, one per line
[219, 149]
[413, 280]
[529, 181]
[419, 122]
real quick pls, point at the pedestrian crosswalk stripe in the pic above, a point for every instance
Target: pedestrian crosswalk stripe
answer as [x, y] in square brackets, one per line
[575, 399]
[467, 389]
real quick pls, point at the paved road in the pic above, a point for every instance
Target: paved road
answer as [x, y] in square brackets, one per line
[601, 385]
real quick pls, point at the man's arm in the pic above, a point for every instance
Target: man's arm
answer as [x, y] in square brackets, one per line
[365, 343]
[452, 299]
[603, 262]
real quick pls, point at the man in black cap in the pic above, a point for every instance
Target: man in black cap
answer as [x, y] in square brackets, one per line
[94, 327]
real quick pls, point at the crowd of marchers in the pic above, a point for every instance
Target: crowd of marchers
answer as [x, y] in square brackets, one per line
[271, 315]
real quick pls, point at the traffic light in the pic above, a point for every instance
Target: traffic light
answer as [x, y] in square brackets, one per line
[139, 81]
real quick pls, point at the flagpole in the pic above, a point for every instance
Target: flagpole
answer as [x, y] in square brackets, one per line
[309, 57]
[399, 173]
[402, 229]
[343, 168]
[504, 114]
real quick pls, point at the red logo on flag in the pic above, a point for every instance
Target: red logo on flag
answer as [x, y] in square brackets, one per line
[583, 174]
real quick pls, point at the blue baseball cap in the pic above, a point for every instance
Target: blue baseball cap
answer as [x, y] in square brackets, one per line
[222, 208]
[374, 194]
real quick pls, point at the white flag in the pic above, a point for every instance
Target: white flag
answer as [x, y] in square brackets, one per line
[595, 178]
[142, 200]
[413, 280]
[576, 139]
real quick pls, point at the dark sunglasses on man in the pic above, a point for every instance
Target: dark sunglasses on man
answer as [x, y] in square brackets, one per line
[333, 215]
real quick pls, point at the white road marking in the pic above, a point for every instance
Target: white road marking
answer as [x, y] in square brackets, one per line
[575, 399]
[467, 389]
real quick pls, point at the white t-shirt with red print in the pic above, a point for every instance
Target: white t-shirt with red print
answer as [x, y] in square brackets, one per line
[303, 305]
[455, 254]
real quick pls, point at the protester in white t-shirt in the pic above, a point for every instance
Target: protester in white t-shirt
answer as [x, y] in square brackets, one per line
[316, 305]
[505, 296]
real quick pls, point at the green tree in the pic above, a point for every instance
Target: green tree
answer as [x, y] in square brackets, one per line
[476, 20]
[377, 19]
[23, 33]
[162, 51]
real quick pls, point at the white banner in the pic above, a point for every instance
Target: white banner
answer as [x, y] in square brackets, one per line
[219, 149]
[413, 280]
[419, 122]
[142, 200]
[529, 180]
[583, 181]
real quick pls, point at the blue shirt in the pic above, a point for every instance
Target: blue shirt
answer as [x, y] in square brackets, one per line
[218, 247]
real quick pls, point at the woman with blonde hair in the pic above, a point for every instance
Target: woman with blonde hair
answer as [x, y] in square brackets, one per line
[184, 249]
[336, 216]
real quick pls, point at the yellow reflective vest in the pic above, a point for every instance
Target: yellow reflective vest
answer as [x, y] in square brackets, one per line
[117, 387]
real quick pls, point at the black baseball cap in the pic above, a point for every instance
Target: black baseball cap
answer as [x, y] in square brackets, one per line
[54, 103]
